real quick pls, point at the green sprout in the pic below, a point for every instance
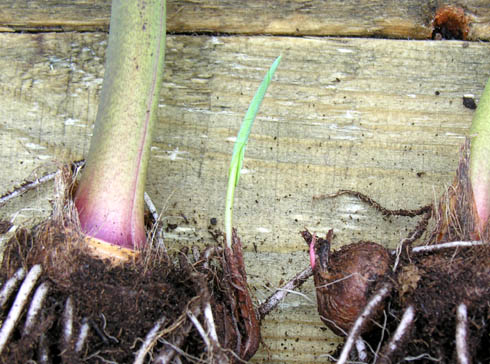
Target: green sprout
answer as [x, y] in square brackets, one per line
[480, 157]
[240, 145]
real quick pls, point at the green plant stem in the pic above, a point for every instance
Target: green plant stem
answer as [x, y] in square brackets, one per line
[109, 198]
[480, 156]
[239, 148]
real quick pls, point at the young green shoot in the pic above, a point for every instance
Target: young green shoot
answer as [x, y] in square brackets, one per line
[239, 148]
[480, 157]
[109, 198]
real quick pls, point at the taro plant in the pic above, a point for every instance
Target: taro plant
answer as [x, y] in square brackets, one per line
[447, 276]
[109, 198]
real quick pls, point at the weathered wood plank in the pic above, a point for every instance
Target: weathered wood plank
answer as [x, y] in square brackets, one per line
[379, 18]
[381, 116]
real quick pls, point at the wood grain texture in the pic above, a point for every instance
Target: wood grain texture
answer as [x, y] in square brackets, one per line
[384, 117]
[379, 18]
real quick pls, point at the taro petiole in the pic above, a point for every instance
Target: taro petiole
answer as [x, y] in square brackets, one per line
[480, 157]
[109, 198]
[239, 148]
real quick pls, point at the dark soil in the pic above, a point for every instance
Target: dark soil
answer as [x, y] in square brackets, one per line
[436, 283]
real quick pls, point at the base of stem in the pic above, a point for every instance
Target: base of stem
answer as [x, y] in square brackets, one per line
[115, 254]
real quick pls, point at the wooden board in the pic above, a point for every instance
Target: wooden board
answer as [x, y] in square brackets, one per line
[384, 117]
[379, 18]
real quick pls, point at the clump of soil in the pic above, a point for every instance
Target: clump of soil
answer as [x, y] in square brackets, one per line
[196, 304]
[435, 284]
[432, 304]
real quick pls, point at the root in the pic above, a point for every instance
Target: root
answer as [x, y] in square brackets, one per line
[361, 349]
[405, 244]
[82, 336]
[400, 333]
[149, 341]
[43, 351]
[462, 335]
[384, 211]
[30, 185]
[208, 317]
[67, 323]
[35, 307]
[18, 305]
[151, 206]
[157, 232]
[168, 353]
[10, 286]
[177, 350]
[450, 245]
[210, 338]
[273, 300]
[354, 333]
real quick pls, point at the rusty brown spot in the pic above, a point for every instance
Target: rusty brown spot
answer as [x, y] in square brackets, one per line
[450, 22]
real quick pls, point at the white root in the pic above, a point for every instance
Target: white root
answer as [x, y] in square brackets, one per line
[462, 335]
[10, 286]
[28, 186]
[452, 244]
[18, 305]
[208, 316]
[199, 328]
[402, 329]
[361, 349]
[280, 293]
[156, 217]
[67, 322]
[151, 206]
[166, 355]
[332, 322]
[43, 351]
[35, 307]
[427, 248]
[34, 184]
[82, 336]
[210, 337]
[383, 331]
[421, 356]
[150, 340]
[206, 255]
[356, 328]
[159, 359]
